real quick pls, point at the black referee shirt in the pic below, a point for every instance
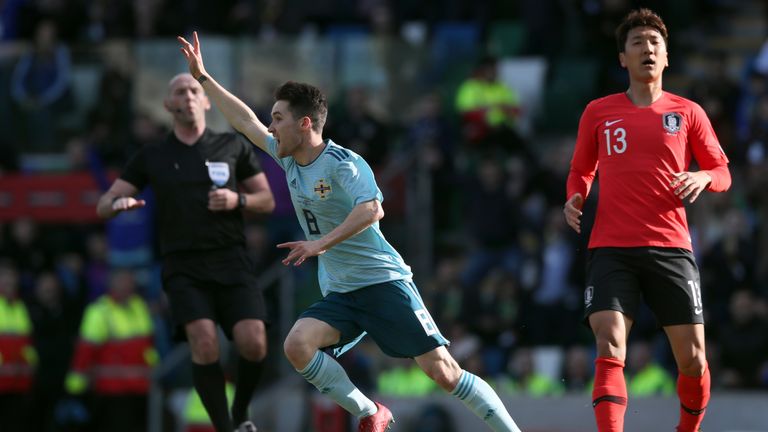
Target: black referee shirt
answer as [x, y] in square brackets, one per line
[179, 178]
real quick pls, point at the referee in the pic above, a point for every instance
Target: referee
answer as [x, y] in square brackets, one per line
[207, 274]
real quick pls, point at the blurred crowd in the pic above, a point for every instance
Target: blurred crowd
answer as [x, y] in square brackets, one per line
[507, 277]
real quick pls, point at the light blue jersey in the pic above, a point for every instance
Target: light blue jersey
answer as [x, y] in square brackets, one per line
[323, 194]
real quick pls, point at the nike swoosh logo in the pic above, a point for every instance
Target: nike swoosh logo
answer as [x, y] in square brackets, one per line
[697, 311]
[608, 122]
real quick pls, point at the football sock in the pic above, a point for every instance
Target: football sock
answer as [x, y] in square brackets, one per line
[248, 374]
[694, 396]
[329, 377]
[480, 398]
[609, 396]
[209, 383]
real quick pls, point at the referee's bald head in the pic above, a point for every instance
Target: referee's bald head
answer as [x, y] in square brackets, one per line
[179, 78]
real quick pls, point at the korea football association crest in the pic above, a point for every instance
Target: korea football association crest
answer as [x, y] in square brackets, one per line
[672, 122]
[589, 293]
[322, 189]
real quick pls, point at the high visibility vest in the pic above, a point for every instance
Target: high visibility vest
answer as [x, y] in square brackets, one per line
[17, 354]
[115, 353]
[405, 382]
[476, 94]
[652, 380]
[536, 385]
[196, 418]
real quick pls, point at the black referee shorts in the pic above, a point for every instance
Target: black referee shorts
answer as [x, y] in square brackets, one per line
[666, 278]
[219, 285]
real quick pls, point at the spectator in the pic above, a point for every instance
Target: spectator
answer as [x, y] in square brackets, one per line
[114, 357]
[646, 377]
[718, 94]
[26, 246]
[196, 418]
[555, 303]
[577, 370]
[403, 378]
[729, 265]
[96, 265]
[55, 314]
[357, 124]
[16, 351]
[109, 19]
[490, 311]
[110, 119]
[492, 222]
[443, 294]
[489, 110]
[525, 379]
[431, 137]
[744, 342]
[40, 87]
[433, 418]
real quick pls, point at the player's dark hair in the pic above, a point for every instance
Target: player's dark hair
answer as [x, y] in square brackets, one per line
[304, 100]
[640, 18]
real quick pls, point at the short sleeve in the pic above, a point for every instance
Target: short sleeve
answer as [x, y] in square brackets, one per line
[271, 149]
[135, 171]
[247, 162]
[355, 176]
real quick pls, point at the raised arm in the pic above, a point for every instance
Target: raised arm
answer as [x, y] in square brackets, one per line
[237, 113]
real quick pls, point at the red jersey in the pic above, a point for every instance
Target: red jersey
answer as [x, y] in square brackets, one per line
[638, 149]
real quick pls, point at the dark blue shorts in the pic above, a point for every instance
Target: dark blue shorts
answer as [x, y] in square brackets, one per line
[392, 313]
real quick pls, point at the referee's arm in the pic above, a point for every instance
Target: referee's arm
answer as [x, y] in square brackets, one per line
[258, 195]
[118, 198]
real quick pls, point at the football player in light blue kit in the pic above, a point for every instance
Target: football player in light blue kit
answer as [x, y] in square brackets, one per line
[366, 286]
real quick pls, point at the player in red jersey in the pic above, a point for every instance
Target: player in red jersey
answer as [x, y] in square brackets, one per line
[643, 141]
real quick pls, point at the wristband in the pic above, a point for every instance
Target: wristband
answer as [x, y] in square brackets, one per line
[241, 200]
[201, 79]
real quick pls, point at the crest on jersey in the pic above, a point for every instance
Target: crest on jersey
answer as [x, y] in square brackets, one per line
[322, 189]
[672, 122]
[588, 294]
[218, 172]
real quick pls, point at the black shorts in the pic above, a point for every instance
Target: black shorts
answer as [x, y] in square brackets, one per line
[219, 285]
[666, 278]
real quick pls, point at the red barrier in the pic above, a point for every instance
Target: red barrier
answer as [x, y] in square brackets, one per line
[49, 198]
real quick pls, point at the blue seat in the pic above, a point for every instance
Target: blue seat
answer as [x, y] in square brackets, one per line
[453, 42]
[343, 31]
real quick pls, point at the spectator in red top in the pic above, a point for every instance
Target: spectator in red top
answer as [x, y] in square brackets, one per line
[643, 141]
